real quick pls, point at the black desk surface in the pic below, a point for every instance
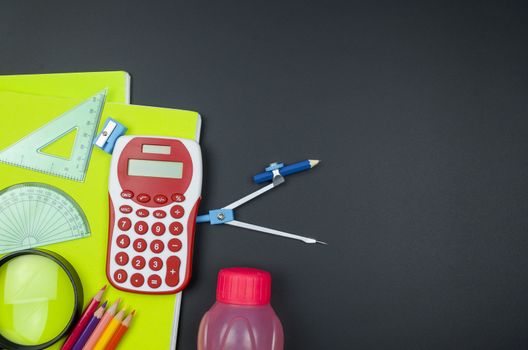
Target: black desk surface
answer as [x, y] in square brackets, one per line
[419, 111]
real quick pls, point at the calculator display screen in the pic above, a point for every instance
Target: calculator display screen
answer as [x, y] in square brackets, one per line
[155, 168]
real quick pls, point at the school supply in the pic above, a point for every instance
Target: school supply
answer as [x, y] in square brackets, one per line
[31, 151]
[70, 85]
[226, 215]
[284, 170]
[109, 331]
[242, 317]
[112, 130]
[89, 255]
[154, 191]
[40, 299]
[123, 328]
[84, 320]
[36, 214]
[101, 326]
[88, 330]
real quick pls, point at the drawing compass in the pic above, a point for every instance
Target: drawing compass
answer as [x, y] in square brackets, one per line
[275, 172]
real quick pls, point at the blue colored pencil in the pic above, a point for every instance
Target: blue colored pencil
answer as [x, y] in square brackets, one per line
[286, 170]
[90, 328]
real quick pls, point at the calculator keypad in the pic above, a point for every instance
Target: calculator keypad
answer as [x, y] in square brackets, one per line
[152, 239]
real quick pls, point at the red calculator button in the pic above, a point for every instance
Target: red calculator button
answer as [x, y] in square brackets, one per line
[178, 197]
[141, 227]
[172, 277]
[143, 198]
[137, 280]
[123, 241]
[176, 228]
[126, 194]
[157, 246]
[124, 224]
[177, 211]
[160, 214]
[125, 209]
[154, 281]
[158, 229]
[160, 199]
[120, 276]
[138, 262]
[156, 264]
[140, 245]
[121, 259]
[142, 213]
[174, 245]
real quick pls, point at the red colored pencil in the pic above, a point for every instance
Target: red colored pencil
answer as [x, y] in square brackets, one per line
[84, 320]
[116, 338]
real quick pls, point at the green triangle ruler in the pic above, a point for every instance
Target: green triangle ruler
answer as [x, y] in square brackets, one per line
[82, 120]
[35, 214]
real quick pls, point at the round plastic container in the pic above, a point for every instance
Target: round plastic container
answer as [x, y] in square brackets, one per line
[242, 317]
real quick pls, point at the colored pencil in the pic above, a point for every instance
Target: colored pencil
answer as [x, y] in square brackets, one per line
[116, 338]
[83, 321]
[105, 320]
[109, 331]
[90, 328]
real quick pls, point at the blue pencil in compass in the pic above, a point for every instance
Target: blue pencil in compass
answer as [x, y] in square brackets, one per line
[284, 170]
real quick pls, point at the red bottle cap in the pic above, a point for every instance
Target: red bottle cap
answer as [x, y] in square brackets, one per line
[243, 286]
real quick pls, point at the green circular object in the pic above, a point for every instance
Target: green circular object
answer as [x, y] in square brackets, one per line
[41, 298]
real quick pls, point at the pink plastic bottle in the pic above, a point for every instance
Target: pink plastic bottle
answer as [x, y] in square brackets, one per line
[242, 317]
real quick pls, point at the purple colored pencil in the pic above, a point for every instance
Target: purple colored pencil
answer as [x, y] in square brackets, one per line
[89, 328]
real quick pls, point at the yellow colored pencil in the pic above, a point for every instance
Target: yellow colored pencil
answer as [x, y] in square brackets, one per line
[109, 331]
[101, 326]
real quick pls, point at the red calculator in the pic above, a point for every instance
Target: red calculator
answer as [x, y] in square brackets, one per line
[154, 191]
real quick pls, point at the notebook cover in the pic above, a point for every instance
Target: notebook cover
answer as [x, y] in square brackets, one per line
[153, 327]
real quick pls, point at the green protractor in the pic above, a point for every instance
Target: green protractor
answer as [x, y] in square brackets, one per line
[36, 214]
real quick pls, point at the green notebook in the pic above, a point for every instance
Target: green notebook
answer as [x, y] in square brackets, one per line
[155, 325]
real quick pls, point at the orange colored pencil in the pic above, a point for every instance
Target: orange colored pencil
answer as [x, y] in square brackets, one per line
[109, 331]
[105, 320]
[114, 341]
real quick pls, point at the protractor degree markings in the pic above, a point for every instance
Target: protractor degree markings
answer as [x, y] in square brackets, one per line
[24, 213]
[20, 211]
[43, 219]
[12, 219]
[56, 224]
[38, 217]
[36, 212]
[60, 224]
[59, 234]
[12, 222]
[8, 228]
[50, 221]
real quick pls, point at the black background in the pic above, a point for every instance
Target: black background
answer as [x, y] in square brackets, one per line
[418, 111]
